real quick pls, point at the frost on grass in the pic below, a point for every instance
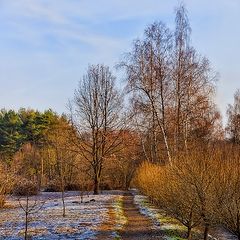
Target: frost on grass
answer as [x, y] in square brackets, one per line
[223, 234]
[171, 226]
[161, 221]
[81, 221]
[142, 203]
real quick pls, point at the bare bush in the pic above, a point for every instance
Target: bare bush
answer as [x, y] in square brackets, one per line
[25, 187]
[53, 186]
[6, 183]
[227, 196]
[187, 189]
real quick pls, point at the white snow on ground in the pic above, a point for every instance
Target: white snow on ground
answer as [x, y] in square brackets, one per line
[81, 221]
[223, 234]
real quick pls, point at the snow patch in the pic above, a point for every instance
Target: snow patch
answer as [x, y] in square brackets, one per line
[81, 221]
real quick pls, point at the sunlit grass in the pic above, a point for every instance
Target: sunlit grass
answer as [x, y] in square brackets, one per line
[172, 228]
[120, 218]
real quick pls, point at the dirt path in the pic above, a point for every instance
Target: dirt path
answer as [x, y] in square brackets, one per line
[138, 225]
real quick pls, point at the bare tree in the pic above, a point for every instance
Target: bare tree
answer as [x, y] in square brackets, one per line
[182, 38]
[96, 116]
[147, 68]
[172, 87]
[29, 209]
[63, 154]
[193, 85]
[233, 127]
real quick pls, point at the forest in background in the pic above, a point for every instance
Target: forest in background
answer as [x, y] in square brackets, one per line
[162, 134]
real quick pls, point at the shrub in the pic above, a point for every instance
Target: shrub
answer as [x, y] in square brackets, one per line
[25, 188]
[105, 186]
[53, 186]
[72, 187]
[6, 184]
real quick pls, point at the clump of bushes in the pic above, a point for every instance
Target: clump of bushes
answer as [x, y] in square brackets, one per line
[72, 187]
[6, 184]
[53, 186]
[200, 189]
[105, 186]
[25, 187]
[56, 186]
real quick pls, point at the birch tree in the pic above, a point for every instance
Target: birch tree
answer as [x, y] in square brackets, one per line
[147, 68]
[233, 112]
[172, 87]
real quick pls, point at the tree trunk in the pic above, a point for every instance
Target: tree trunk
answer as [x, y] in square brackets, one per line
[189, 233]
[162, 129]
[96, 185]
[26, 220]
[62, 187]
[63, 202]
[42, 173]
[128, 182]
[238, 225]
[125, 182]
[63, 191]
[206, 230]
[26, 226]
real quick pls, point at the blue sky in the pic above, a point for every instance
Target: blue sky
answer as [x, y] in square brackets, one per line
[46, 45]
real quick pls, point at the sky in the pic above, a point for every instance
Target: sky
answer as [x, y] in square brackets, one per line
[47, 45]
